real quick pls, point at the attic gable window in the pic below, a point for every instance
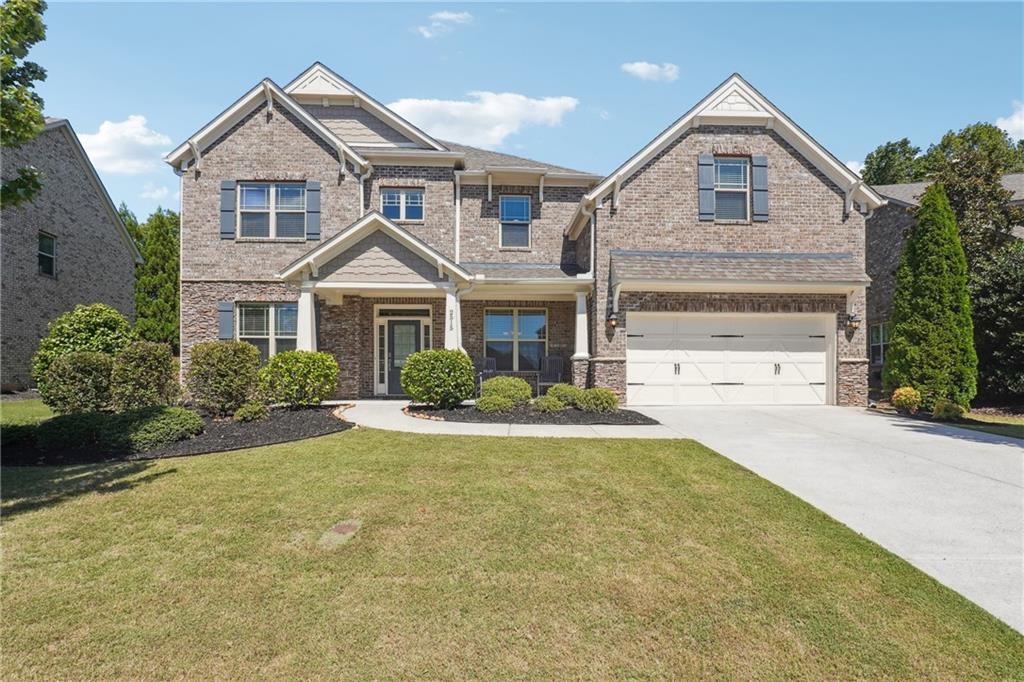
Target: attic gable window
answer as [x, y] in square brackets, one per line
[732, 188]
[272, 210]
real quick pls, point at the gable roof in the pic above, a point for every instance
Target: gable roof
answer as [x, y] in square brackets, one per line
[264, 91]
[63, 125]
[318, 80]
[352, 234]
[734, 102]
[909, 193]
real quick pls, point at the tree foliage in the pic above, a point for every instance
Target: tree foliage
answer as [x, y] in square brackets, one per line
[931, 344]
[96, 327]
[997, 295]
[893, 163]
[131, 223]
[21, 108]
[156, 280]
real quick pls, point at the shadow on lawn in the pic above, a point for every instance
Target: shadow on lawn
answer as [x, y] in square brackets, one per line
[950, 430]
[28, 488]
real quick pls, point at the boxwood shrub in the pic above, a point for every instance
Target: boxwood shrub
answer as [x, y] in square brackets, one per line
[78, 382]
[442, 378]
[96, 327]
[906, 399]
[143, 376]
[299, 378]
[548, 403]
[133, 431]
[222, 375]
[947, 410]
[566, 393]
[598, 400]
[252, 411]
[494, 403]
[511, 388]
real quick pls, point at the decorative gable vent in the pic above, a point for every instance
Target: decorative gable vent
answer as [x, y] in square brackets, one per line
[734, 101]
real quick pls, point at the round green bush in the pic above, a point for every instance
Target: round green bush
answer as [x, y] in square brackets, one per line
[222, 375]
[68, 431]
[494, 403]
[96, 327]
[442, 378]
[548, 403]
[512, 388]
[566, 393]
[598, 400]
[947, 410]
[78, 382]
[299, 378]
[252, 411]
[143, 376]
[906, 399]
[148, 428]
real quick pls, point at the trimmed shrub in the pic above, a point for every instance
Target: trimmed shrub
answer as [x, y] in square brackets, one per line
[442, 378]
[299, 378]
[148, 428]
[78, 382]
[548, 403]
[143, 376]
[252, 411]
[96, 327]
[222, 375]
[494, 403]
[598, 400]
[906, 399]
[565, 393]
[79, 430]
[947, 410]
[511, 388]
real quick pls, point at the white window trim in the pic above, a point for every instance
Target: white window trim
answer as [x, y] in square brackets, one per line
[403, 193]
[883, 342]
[426, 320]
[40, 252]
[272, 334]
[271, 209]
[745, 191]
[528, 222]
[515, 333]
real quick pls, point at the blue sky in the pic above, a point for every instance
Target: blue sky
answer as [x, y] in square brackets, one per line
[547, 81]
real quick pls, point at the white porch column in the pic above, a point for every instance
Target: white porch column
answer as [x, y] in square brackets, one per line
[582, 333]
[451, 319]
[305, 338]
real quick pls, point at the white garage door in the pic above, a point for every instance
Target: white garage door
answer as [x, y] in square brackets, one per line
[720, 359]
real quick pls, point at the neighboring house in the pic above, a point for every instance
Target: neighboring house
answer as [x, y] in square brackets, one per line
[886, 229]
[66, 246]
[723, 263]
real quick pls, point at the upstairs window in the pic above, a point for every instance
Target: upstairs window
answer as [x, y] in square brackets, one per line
[47, 255]
[515, 222]
[271, 327]
[402, 204]
[879, 341]
[732, 188]
[272, 210]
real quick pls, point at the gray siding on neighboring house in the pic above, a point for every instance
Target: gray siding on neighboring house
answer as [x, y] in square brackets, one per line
[94, 264]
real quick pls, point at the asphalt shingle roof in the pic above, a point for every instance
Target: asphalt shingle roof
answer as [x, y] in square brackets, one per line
[910, 192]
[478, 159]
[748, 267]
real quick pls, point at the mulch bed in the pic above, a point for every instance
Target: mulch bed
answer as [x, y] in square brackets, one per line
[282, 426]
[526, 415]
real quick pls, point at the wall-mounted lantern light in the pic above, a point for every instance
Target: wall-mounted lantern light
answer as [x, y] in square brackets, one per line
[613, 320]
[853, 321]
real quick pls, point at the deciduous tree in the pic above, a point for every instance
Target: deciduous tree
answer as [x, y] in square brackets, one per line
[21, 108]
[892, 163]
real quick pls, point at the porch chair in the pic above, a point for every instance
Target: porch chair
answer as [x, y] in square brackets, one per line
[550, 372]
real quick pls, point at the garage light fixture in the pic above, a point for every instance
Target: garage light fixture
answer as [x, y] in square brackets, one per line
[853, 321]
[613, 320]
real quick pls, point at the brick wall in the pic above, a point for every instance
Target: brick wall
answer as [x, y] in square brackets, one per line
[886, 230]
[438, 225]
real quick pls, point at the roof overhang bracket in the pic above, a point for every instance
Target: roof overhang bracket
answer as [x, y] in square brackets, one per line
[848, 208]
[196, 154]
[616, 290]
[269, 94]
[615, 191]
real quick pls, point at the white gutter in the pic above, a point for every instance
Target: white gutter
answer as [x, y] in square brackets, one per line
[458, 213]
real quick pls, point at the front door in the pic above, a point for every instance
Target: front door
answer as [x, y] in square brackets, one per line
[403, 341]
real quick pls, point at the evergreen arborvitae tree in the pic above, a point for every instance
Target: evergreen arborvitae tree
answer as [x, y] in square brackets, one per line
[931, 338]
[156, 280]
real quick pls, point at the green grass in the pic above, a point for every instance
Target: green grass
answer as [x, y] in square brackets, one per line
[477, 557]
[22, 412]
[1000, 425]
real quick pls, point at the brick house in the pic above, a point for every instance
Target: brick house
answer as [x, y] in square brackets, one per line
[52, 245]
[723, 263]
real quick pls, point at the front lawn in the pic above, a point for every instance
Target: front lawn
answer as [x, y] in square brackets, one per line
[998, 424]
[476, 557]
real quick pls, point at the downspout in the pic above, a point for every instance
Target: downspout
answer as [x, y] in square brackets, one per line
[365, 175]
[458, 216]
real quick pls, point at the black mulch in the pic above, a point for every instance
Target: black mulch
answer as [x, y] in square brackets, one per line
[282, 426]
[526, 415]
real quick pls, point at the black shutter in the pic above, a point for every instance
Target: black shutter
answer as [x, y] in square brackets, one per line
[759, 187]
[312, 210]
[227, 209]
[225, 320]
[706, 186]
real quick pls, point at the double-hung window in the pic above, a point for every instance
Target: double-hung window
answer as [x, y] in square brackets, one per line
[517, 338]
[402, 204]
[515, 222]
[271, 327]
[732, 188]
[879, 340]
[272, 210]
[47, 255]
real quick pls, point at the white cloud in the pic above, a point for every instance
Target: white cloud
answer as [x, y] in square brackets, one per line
[127, 147]
[443, 22]
[605, 114]
[855, 166]
[154, 192]
[647, 71]
[487, 118]
[1014, 123]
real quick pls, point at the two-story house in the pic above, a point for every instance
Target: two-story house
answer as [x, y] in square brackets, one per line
[723, 263]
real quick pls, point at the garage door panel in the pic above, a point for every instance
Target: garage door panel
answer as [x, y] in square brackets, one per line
[801, 394]
[651, 394]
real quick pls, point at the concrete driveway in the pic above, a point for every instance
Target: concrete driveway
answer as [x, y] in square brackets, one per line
[950, 501]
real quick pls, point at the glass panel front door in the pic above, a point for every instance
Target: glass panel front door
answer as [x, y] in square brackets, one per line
[403, 341]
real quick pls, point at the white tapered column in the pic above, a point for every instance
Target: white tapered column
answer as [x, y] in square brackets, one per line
[451, 319]
[305, 337]
[582, 335]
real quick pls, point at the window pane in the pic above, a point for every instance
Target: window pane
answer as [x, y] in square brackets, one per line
[46, 243]
[414, 205]
[291, 225]
[501, 351]
[291, 196]
[885, 332]
[731, 173]
[255, 225]
[381, 354]
[46, 264]
[254, 320]
[731, 205]
[264, 347]
[532, 325]
[284, 344]
[876, 333]
[515, 209]
[255, 196]
[530, 353]
[876, 355]
[514, 234]
[287, 319]
[391, 204]
[498, 324]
